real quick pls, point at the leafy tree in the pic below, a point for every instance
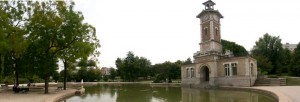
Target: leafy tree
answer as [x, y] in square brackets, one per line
[167, 71]
[132, 67]
[295, 62]
[143, 65]
[12, 32]
[79, 39]
[286, 64]
[113, 74]
[91, 75]
[128, 71]
[55, 76]
[59, 32]
[263, 63]
[82, 74]
[270, 48]
[237, 50]
[187, 61]
[88, 70]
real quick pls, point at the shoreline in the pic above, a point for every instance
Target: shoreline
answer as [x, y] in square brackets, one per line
[275, 92]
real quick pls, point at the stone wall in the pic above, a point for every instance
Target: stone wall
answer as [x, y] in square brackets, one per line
[236, 81]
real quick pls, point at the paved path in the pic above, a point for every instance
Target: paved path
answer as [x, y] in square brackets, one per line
[36, 95]
[285, 93]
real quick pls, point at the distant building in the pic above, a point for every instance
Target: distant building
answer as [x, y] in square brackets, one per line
[212, 67]
[289, 46]
[105, 71]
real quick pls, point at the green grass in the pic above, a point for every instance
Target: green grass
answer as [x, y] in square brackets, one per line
[293, 81]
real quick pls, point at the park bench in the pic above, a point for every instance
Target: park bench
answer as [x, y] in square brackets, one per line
[20, 89]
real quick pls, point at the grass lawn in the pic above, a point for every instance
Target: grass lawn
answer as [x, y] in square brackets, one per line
[293, 81]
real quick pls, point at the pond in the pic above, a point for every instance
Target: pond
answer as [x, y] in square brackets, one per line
[155, 93]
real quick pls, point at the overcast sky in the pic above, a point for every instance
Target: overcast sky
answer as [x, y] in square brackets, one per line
[168, 30]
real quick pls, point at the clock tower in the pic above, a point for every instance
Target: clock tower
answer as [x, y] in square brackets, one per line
[210, 29]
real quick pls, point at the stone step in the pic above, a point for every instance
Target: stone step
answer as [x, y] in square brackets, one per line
[270, 82]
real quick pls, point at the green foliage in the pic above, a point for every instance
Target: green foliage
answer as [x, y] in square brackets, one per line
[34, 35]
[82, 74]
[105, 78]
[269, 49]
[132, 67]
[113, 74]
[187, 61]
[295, 62]
[272, 76]
[263, 64]
[237, 50]
[167, 71]
[8, 80]
[286, 62]
[55, 76]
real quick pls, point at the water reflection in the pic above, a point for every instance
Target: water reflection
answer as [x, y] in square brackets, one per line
[147, 93]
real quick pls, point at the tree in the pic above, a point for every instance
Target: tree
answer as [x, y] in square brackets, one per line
[59, 32]
[167, 70]
[295, 62]
[82, 74]
[186, 62]
[237, 50]
[126, 66]
[270, 48]
[13, 33]
[80, 38]
[132, 67]
[286, 64]
[113, 74]
[263, 63]
[143, 65]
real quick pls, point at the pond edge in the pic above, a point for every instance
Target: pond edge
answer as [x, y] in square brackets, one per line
[278, 96]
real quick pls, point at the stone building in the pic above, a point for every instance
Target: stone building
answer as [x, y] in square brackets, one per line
[212, 67]
[289, 46]
[105, 71]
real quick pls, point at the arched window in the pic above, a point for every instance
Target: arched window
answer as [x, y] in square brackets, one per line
[187, 73]
[205, 31]
[251, 69]
[192, 73]
[217, 31]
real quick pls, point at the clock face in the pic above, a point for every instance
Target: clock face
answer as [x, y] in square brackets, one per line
[205, 17]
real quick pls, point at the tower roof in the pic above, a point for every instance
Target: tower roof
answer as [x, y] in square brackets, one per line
[209, 7]
[211, 11]
[209, 2]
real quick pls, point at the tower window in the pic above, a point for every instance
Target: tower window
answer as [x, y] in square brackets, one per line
[217, 31]
[205, 31]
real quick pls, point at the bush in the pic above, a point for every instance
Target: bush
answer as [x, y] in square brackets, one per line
[105, 78]
[23, 81]
[159, 78]
[8, 80]
[272, 76]
[37, 79]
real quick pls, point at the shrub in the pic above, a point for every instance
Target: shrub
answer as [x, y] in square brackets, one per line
[8, 80]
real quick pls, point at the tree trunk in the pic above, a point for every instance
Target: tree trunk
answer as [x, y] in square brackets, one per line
[65, 75]
[46, 84]
[16, 71]
[17, 75]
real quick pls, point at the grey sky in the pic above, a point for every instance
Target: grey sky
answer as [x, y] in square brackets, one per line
[168, 30]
